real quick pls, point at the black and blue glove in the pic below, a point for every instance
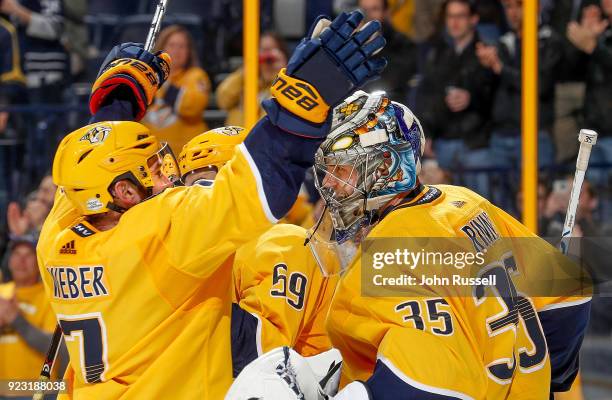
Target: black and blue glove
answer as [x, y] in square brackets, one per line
[129, 66]
[332, 61]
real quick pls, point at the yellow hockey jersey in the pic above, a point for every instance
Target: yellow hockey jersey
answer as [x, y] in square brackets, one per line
[278, 281]
[17, 359]
[145, 306]
[489, 341]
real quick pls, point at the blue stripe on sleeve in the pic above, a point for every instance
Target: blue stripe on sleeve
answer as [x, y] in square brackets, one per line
[282, 160]
[564, 329]
[117, 110]
[385, 385]
[244, 338]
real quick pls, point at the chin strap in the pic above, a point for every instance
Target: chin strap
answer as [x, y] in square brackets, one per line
[116, 208]
[317, 225]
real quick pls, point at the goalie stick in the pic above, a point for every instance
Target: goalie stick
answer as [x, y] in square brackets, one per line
[56, 340]
[587, 139]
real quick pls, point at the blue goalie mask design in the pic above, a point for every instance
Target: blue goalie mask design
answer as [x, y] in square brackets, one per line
[372, 154]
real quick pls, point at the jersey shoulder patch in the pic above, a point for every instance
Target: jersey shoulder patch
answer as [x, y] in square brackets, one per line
[82, 230]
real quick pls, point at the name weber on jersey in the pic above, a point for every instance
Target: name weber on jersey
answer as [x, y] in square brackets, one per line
[83, 282]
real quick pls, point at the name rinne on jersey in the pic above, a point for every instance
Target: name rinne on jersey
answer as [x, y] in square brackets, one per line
[83, 282]
[481, 231]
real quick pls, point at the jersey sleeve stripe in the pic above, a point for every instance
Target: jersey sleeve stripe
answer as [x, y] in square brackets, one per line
[246, 338]
[258, 335]
[564, 328]
[387, 378]
[260, 188]
[565, 304]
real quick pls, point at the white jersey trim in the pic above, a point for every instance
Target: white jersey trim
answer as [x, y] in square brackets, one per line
[258, 335]
[421, 386]
[564, 304]
[260, 189]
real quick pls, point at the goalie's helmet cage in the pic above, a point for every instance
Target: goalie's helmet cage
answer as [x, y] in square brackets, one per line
[374, 152]
[91, 159]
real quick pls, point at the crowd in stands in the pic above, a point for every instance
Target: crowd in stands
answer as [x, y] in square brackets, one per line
[457, 63]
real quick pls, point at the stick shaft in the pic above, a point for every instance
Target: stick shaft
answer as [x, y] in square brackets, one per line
[160, 10]
[45, 372]
[587, 141]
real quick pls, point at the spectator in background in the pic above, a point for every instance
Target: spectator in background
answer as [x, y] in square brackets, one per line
[273, 57]
[593, 36]
[553, 214]
[570, 88]
[40, 24]
[46, 63]
[400, 13]
[26, 318]
[492, 20]
[344, 5]
[76, 37]
[12, 78]
[400, 52]
[12, 91]
[29, 221]
[425, 21]
[505, 61]
[432, 174]
[46, 191]
[543, 197]
[558, 13]
[454, 96]
[177, 112]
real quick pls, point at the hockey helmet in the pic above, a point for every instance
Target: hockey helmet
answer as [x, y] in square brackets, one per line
[90, 160]
[211, 149]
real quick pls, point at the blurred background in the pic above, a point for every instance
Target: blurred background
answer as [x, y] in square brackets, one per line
[456, 63]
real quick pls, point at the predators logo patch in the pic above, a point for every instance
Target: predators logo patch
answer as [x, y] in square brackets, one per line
[458, 203]
[229, 130]
[97, 134]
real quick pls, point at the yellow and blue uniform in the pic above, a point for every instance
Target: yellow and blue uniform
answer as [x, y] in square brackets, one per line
[438, 344]
[17, 359]
[281, 296]
[145, 306]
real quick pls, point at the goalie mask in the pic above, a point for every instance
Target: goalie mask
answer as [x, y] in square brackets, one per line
[372, 154]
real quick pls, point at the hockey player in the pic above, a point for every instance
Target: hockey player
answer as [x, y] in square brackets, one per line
[136, 274]
[432, 341]
[281, 293]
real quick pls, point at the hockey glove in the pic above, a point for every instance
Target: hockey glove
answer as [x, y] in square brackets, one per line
[130, 67]
[331, 62]
[283, 374]
[355, 390]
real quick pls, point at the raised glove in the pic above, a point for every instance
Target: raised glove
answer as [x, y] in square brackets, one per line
[331, 62]
[130, 70]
